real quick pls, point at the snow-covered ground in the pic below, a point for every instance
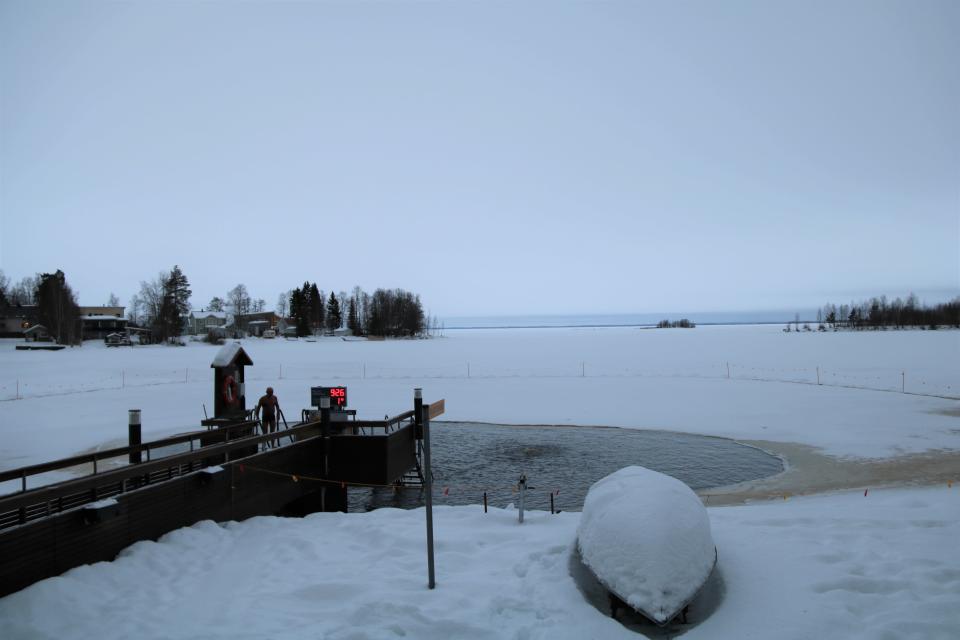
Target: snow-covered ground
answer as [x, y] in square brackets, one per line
[836, 565]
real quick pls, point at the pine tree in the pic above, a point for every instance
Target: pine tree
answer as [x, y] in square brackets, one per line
[353, 322]
[334, 317]
[300, 311]
[316, 307]
[176, 303]
[58, 308]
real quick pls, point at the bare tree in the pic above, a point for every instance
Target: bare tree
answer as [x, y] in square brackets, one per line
[216, 304]
[151, 298]
[133, 310]
[4, 285]
[239, 302]
[113, 300]
[282, 303]
[25, 291]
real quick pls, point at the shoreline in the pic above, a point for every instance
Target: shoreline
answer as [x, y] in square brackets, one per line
[808, 471]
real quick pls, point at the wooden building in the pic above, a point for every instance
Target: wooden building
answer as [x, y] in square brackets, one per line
[15, 319]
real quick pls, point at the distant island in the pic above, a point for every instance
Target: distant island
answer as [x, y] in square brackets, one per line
[675, 324]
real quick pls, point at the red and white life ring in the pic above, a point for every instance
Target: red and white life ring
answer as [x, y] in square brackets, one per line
[231, 391]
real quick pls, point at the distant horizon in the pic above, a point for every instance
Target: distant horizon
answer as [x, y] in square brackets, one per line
[807, 313]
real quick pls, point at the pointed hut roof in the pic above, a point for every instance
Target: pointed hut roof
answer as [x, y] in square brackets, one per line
[231, 354]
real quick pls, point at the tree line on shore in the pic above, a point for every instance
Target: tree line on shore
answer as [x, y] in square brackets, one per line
[162, 303]
[879, 312]
[386, 313]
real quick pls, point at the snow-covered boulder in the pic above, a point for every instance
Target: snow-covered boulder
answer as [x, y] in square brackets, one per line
[646, 536]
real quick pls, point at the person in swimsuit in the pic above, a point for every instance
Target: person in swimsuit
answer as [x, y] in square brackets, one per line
[266, 411]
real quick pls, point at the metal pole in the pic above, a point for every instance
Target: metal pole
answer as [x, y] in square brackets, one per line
[422, 418]
[325, 432]
[523, 491]
[134, 434]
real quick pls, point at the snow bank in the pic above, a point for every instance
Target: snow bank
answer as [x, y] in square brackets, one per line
[836, 566]
[647, 538]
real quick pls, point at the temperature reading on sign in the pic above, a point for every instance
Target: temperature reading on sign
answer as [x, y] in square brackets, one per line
[338, 396]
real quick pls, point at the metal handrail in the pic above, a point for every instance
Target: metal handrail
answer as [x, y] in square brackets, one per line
[64, 463]
[41, 495]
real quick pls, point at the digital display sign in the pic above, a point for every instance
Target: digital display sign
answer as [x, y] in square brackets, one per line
[337, 395]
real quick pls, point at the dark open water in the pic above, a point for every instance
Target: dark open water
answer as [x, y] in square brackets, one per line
[470, 458]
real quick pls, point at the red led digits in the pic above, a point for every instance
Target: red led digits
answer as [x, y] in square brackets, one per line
[337, 396]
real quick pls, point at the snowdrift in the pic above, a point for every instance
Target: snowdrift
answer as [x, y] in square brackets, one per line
[646, 536]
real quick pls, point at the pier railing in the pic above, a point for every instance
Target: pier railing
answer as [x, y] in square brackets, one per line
[32, 503]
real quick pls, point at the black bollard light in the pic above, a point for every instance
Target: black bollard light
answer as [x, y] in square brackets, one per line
[134, 436]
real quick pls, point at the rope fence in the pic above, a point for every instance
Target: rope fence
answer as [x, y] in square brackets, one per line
[16, 387]
[480, 491]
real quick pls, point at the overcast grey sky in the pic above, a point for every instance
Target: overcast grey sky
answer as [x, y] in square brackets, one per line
[524, 157]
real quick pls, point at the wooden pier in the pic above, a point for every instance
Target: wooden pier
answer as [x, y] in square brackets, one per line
[228, 473]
